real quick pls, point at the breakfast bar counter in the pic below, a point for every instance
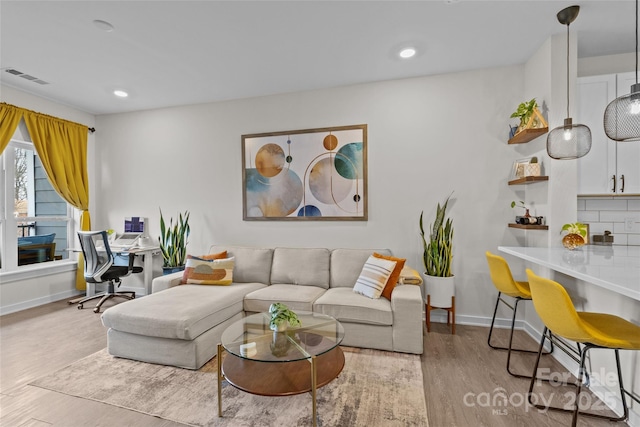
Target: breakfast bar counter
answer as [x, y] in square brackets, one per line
[616, 268]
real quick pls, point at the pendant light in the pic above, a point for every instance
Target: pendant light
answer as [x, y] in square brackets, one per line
[568, 141]
[622, 115]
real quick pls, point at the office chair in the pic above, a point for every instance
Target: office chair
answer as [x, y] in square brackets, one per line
[99, 268]
[595, 330]
[519, 291]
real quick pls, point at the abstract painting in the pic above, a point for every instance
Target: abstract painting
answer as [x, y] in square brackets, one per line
[310, 174]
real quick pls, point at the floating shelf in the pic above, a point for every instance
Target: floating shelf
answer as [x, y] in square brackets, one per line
[529, 226]
[527, 135]
[528, 180]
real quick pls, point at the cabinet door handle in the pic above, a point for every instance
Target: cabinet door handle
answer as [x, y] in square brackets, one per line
[622, 187]
[613, 178]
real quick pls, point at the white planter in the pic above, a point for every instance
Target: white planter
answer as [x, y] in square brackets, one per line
[440, 289]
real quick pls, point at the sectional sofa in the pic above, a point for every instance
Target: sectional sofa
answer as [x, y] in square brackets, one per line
[181, 324]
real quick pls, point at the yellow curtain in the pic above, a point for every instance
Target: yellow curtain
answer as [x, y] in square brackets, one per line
[9, 119]
[62, 147]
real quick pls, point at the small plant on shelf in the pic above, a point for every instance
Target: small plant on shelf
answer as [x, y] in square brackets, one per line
[524, 112]
[281, 316]
[520, 204]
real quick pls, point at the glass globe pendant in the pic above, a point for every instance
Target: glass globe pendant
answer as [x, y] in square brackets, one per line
[568, 141]
[622, 115]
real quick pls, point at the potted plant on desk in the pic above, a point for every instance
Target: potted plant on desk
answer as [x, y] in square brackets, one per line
[437, 257]
[173, 242]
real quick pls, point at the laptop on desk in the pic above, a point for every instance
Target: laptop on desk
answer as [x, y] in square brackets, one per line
[126, 241]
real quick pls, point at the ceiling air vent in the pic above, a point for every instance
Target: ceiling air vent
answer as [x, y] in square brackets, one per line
[25, 76]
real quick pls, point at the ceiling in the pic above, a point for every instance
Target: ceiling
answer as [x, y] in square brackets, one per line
[167, 53]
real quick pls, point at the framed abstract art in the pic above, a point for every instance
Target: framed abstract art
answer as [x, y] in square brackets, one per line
[305, 175]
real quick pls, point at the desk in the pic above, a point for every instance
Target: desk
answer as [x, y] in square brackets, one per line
[615, 268]
[147, 265]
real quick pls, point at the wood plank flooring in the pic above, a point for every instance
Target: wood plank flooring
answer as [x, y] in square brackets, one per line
[41, 340]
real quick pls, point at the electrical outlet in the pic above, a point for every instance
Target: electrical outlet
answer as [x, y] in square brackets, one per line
[628, 223]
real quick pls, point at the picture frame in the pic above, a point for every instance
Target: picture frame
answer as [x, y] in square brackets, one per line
[305, 175]
[517, 171]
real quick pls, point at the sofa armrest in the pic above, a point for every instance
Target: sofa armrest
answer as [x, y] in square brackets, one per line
[407, 305]
[165, 282]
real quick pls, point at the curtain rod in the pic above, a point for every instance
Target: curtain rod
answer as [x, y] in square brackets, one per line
[91, 130]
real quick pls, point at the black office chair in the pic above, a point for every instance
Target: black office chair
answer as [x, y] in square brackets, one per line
[99, 268]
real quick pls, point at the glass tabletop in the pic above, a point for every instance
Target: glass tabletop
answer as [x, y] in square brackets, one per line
[251, 338]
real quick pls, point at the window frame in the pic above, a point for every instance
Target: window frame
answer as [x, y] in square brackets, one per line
[9, 268]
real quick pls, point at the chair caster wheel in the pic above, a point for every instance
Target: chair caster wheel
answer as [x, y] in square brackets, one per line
[96, 310]
[79, 306]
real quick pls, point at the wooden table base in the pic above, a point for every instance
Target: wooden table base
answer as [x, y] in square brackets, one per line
[279, 378]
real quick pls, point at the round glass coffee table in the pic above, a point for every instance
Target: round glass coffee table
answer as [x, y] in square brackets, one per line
[270, 363]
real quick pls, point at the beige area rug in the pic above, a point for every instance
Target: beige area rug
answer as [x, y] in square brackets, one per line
[376, 388]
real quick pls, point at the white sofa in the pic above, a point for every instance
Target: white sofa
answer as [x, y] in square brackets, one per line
[182, 325]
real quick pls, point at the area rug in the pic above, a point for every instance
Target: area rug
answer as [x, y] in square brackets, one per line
[376, 388]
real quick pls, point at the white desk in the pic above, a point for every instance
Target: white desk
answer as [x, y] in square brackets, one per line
[616, 268]
[147, 266]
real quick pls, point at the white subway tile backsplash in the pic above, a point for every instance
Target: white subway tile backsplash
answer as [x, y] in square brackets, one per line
[620, 239]
[606, 204]
[588, 216]
[600, 227]
[633, 239]
[610, 214]
[615, 216]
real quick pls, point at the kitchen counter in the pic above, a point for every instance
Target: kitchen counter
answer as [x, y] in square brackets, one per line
[616, 268]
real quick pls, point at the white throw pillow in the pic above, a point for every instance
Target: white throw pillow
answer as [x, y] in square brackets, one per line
[373, 277]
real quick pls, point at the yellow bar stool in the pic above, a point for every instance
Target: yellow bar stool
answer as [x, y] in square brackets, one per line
[519, 291]
[595, 330]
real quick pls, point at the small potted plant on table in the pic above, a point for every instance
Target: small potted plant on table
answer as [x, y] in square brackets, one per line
[282, 317]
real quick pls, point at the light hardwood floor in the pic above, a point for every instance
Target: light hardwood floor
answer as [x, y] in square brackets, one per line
[41, 340]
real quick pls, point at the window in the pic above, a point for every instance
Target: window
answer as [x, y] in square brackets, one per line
[36, 224]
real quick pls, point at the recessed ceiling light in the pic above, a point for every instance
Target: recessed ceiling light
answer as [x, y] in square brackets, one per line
[120, 93]
[103, 25]
[407, 52]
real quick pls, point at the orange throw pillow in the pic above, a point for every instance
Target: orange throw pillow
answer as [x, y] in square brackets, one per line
[395, 275]
[209, 257]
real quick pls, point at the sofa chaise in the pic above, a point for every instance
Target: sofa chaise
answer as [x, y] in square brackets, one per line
[181, 324]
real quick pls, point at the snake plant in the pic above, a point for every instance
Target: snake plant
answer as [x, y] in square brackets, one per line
[173, 240]
[438, 254]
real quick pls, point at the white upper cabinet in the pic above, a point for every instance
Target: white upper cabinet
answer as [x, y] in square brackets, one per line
[610, 167]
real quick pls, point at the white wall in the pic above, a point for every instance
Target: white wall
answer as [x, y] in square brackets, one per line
[609, 64]
[427, 137]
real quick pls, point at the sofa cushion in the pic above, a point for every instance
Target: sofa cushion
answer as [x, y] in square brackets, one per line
[293, 296]
[374, 276]
[214, 272]
[183, 312]
[301, 266]
[346, 306]
[346, 265]
[208, 257]
[395, 275]
[251, 264]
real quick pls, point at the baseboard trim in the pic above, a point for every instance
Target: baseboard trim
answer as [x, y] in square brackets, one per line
[12, 308]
